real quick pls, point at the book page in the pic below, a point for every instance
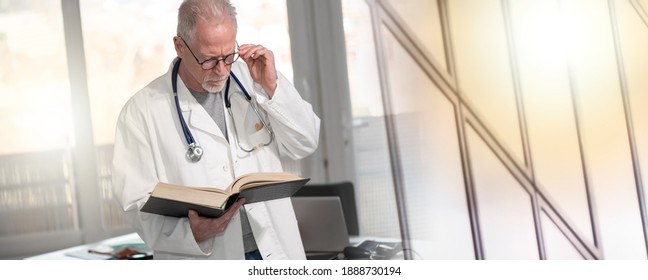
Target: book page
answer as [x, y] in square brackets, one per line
[212, 197]
[274, 190]
[261, 178]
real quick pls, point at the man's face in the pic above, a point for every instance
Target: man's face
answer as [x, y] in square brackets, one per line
[213, 39]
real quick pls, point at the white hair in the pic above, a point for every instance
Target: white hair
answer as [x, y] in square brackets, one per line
[191, 10]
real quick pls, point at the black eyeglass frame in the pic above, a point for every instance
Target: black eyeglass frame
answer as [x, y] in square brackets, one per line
[214, 60]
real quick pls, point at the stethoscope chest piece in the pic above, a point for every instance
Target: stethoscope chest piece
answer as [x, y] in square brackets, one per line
[194, 152]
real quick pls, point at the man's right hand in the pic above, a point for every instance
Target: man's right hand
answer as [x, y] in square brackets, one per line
[204, 228]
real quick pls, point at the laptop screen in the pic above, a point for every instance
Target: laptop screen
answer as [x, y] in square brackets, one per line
[321, 223]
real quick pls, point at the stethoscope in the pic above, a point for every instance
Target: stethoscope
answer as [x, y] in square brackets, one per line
[194, 151]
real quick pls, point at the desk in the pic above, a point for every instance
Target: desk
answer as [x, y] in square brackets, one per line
[80, 252]
[69, 253]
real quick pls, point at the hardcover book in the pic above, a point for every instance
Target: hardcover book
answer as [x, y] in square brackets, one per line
[174, 200]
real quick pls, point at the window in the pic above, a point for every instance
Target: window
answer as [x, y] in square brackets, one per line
[35, 177]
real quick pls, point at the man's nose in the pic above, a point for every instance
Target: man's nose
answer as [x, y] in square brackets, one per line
[221, 68]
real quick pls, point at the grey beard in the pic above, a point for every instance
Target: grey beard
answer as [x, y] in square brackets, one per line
[209, 88]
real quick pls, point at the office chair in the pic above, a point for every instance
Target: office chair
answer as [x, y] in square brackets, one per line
[344, 190]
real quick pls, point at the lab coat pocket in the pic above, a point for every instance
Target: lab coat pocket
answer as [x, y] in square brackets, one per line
[254, 132]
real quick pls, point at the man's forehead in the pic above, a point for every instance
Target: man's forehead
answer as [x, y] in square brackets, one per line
[215, 32]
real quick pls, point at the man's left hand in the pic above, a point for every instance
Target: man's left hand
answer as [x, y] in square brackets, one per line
[261, 63]
[204, 228]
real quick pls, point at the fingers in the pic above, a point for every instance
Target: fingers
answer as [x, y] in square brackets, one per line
[204, 228]
[249, 52]
[223, 221]
[261, 64]
[193, 214]
[235, 207]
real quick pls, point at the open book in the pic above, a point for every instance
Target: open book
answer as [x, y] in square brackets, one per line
[174, 200]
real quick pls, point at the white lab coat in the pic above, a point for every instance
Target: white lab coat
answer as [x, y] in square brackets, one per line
[150, 147]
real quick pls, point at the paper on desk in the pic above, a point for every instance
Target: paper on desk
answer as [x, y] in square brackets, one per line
[86, 255]
[107, 252]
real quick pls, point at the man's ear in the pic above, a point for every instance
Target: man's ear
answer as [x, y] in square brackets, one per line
[179, 46]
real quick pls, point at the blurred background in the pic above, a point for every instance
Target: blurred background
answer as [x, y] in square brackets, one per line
[470, 129]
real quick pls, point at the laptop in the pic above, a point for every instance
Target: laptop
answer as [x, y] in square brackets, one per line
[321, 226]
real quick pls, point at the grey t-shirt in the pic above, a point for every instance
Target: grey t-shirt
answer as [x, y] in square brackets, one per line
[213, 104]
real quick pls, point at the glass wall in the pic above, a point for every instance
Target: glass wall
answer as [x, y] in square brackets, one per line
[504, 206]
[547, 148]
[429, 158]
[632, 17]
[549, 107]
[607, 153]
[376, 201]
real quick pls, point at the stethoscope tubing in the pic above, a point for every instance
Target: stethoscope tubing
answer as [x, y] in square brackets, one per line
[174, 85]
[194, 152]
[228, 104]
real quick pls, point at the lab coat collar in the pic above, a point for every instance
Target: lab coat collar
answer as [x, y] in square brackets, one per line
[195, 114]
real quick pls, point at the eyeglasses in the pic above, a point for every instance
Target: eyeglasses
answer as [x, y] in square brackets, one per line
[211, 63]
